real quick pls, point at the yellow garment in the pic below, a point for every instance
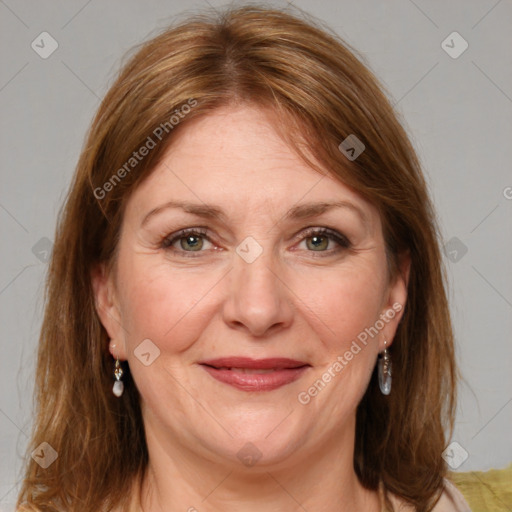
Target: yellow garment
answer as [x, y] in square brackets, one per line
[489, 491]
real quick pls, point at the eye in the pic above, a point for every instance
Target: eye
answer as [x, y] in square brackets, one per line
[322, 239]
[195, 240]
[187, 240]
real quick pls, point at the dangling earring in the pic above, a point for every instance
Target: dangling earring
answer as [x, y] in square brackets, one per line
[384, 367]
[118, 387]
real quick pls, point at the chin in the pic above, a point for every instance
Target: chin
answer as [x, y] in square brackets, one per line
[259, 439]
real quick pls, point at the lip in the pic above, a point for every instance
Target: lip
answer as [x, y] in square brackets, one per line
[242, 372]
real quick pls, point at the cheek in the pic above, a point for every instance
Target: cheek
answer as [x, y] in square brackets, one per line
[343, 310]
[344, 302]
[162, 304]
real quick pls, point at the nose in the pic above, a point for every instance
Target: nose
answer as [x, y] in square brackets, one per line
[259, 300]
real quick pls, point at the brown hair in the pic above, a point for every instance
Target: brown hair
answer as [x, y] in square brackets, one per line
[291, 65]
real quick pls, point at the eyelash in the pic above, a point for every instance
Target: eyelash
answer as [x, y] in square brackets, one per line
[340, 239]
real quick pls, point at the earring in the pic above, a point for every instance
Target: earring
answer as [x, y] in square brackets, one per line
[384, 367]
[118, 387]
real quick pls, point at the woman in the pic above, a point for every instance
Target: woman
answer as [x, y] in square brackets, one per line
[245, 304]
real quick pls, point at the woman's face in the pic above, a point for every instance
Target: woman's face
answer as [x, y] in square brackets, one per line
[280, 284]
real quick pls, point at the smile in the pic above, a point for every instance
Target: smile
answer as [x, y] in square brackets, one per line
[255, 375]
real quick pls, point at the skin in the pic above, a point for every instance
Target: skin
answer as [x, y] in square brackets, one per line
[299, 299]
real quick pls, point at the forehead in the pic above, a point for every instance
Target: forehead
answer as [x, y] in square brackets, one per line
[234, 157]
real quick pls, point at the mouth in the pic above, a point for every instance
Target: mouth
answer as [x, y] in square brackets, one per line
[255, 374]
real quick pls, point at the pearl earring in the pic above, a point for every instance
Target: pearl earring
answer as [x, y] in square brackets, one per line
[384, 367]
[118, 387]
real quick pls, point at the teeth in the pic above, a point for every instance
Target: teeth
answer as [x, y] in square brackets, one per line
[250, 370]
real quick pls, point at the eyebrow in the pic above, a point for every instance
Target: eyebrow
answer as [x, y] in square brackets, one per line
[302, 211]
[308, 210]
[201, 210]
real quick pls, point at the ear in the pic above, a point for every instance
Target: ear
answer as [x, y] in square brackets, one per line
[107, 308]
[394, 305]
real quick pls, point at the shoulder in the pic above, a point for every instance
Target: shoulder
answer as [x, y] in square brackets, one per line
[451, 500]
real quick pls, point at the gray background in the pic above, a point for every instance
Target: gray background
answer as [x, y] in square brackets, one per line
[457, 110]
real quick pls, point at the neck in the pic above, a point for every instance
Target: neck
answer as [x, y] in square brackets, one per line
[323, 479]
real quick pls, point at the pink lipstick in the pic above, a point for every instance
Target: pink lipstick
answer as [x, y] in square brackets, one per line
[255, 374]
